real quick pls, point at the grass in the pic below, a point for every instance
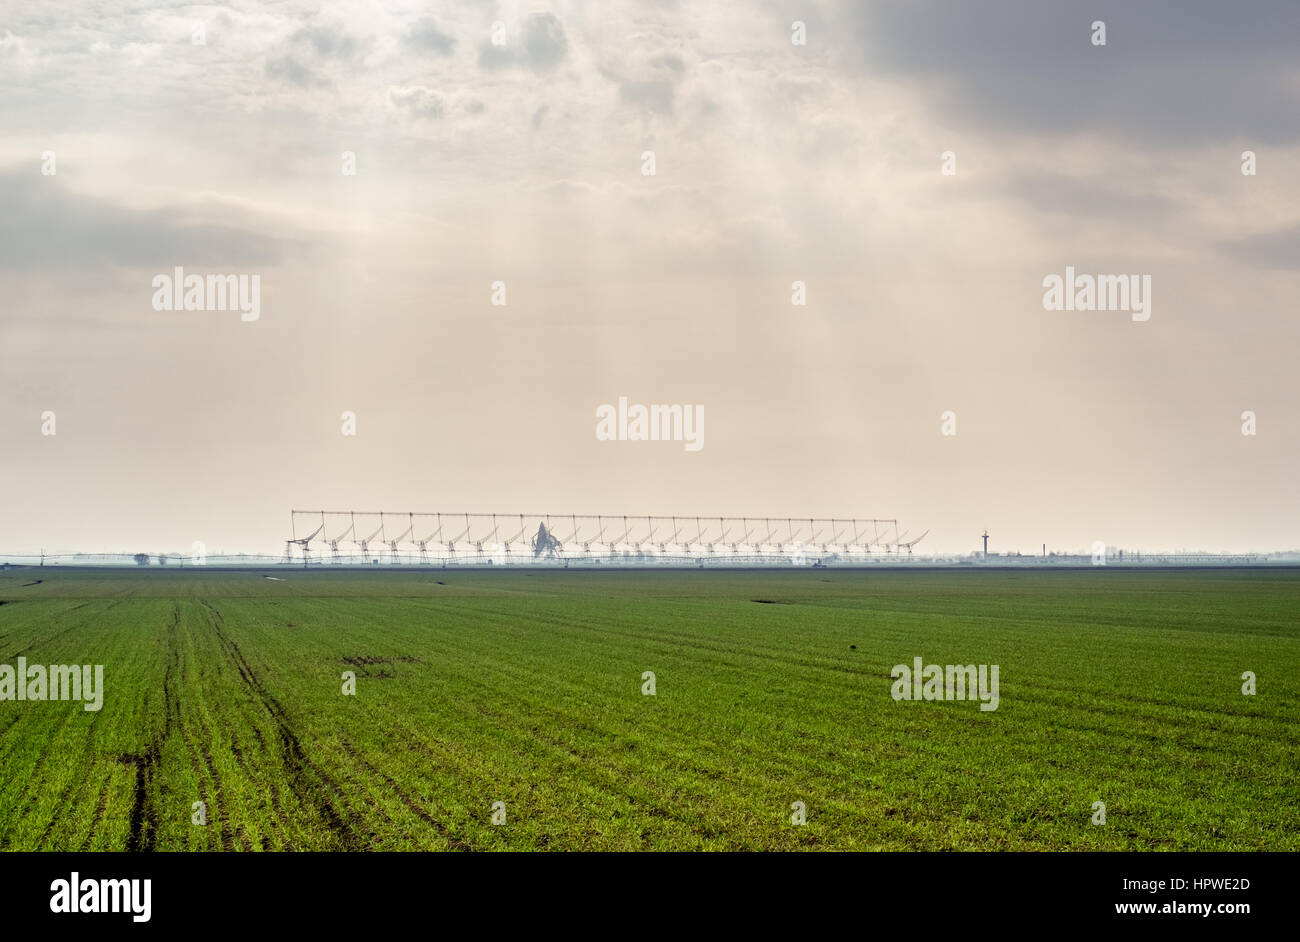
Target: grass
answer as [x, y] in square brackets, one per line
[525, 687]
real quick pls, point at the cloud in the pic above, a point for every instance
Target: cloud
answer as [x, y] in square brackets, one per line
[1172, 72]
[647, 79]
[12, 46]
[48, 227]
[1279, 249]
[418, 101]
[669, 61]
[567, 189]
[424, 36]
[328, 42]
[427, 103]
[311, 50]
[542, 46]
[544, 42]
[655, 97]
[1075, 197]
[292, 71]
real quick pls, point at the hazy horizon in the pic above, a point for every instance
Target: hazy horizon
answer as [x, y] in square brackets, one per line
[130, 149]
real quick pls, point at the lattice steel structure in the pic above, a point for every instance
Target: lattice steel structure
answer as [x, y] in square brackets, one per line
[429, 538]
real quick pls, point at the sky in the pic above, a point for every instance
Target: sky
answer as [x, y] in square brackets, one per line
[507, 143]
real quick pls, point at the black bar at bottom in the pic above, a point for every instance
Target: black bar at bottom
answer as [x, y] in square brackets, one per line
[943, 892]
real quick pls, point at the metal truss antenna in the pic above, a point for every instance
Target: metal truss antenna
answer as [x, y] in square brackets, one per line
[426, 538]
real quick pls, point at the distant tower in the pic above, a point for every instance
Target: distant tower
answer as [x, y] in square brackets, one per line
[986, 544]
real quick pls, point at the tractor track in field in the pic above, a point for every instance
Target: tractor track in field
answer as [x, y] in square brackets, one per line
[143, 831]
[272, 821]
[225, 836]
[225, 840]
[342, 820]
[99, 814]
[454, 842]
[277, 807]
[145, 815]
[144, 812]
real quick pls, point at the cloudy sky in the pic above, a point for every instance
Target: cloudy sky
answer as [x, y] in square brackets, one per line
[522, 162]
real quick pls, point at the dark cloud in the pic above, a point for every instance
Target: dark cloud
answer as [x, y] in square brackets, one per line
[1081, 198]
[419, 101]
[46, 226]
[1278, 249]
[647, 78]
[653, 96]
[543, 40]
[670, 61]
[424, 36]
[542, 45]
[1172, 71]
[328, 42]
[309, 51]
[290, 70]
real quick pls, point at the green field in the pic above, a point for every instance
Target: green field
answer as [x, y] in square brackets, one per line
[772, 687]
